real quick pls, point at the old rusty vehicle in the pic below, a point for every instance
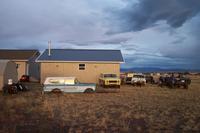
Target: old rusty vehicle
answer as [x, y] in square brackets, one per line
[122, 77]
[174, 82]
[138, 79]
[183, 82]
[128, 77]
[10, 89]
[67, 84]
[149, 79]
[14, 88]
[109, 80]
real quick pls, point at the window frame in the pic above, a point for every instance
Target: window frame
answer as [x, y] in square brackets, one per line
[82, 66]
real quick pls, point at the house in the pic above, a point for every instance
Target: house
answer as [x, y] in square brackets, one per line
[85, 64]
[25, 60]
[8, 70]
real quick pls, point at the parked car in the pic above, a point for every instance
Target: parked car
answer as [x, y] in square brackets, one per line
[174, 82]
[149, 79]
[109, 80]
[128, 78]
[67, 84]
[138, 79]
[122, 77]
[183, 82]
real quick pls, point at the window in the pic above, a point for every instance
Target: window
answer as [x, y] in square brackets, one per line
[81, 66]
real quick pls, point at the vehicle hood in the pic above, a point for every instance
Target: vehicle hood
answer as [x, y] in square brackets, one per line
[112, 78]
[86, 84]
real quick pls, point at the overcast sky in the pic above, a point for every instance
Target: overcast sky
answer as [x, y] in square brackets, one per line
[150, 33]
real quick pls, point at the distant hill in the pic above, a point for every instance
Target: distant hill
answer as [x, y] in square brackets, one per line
[155, 69]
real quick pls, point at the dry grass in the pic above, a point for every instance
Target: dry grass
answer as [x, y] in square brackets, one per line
[133, 109]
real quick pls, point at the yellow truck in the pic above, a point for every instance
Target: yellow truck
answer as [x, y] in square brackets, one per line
[109, 80]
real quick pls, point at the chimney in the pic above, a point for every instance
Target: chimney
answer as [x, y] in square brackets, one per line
[49, 43]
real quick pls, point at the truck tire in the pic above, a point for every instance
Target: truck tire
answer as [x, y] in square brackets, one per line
[56, 90]
[186, 86]
[89, 90]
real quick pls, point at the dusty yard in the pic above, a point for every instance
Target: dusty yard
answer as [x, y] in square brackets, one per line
[133, 109]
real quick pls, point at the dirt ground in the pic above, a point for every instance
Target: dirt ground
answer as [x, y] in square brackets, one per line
[132, 109]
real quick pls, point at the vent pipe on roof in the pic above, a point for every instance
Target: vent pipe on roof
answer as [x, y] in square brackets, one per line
[49, 43]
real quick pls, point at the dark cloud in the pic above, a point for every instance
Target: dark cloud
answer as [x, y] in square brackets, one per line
[146, 13]
[160, 61]
[186, 46]
[110, 40]
[179, 40]
[114, 40]
[83, 24]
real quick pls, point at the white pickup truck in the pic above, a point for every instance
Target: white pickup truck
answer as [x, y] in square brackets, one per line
[138, 79]
[67, 84]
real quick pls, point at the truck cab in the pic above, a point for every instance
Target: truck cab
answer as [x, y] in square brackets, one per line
[138, 79]
[109, 80]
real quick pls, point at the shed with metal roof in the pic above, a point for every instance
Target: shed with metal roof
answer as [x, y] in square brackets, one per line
[8, 70]
[25, 60]
[84, 64]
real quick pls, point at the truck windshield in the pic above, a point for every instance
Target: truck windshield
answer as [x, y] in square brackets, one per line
[110, 75]
[138, 76]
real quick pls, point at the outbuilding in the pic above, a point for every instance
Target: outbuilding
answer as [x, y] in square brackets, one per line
[8, 70]
[24, 59]
[84, 64]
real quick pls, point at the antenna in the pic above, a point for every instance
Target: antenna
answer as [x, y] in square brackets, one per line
[49, 43]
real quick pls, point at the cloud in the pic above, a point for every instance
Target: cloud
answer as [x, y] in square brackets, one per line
[148, 32]
[186, 44]
[141, 59]
[107, 40]
[49, 19]
[147, 13]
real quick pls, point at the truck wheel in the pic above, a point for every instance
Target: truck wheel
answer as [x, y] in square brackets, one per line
[56, 90]
[89, 90]
[143, 84]
[172, 86]
[100, 83]
[186, 86]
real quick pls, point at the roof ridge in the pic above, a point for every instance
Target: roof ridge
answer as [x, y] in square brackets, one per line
[88, 49]
[19, 49]
[88, 55]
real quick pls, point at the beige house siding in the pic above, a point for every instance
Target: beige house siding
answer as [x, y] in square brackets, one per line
[89, 75]
[31, 68]
[21, 68]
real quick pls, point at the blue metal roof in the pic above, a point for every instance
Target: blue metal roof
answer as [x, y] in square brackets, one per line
[81, 55]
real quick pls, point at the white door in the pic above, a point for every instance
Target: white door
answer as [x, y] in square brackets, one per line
[70, 88]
